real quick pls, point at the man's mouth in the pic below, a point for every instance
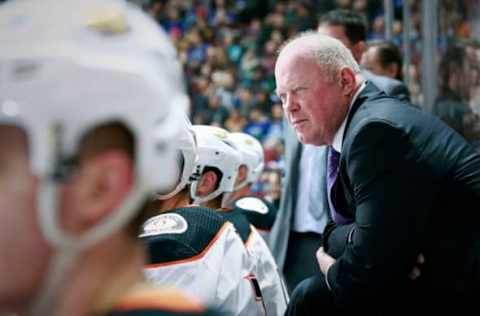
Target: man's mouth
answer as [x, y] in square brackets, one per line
[297, 123]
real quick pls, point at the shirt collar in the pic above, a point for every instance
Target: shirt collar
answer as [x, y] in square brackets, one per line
[338, 138]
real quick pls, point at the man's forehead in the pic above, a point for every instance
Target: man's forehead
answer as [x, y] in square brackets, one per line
[289, 73]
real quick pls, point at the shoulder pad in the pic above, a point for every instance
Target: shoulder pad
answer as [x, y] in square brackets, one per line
[181, 234]
[239, 220]
[170, 223]
[252, 204]
[258, 211]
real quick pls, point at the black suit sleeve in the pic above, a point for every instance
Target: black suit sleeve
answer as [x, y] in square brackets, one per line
[336, 237]
[392, 191]
[400, 91]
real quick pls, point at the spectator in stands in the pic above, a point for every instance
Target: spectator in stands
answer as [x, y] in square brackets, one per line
[383, 58]
[452, 105]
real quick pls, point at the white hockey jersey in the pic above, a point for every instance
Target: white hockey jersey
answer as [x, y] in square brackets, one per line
[275, 294]
[196, 250]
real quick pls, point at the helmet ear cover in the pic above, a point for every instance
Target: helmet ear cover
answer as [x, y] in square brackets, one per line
[215, 152]
[186, 167]
[252, 154]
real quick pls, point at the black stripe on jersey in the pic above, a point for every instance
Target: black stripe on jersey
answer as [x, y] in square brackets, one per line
[203, 225]
[239, 221]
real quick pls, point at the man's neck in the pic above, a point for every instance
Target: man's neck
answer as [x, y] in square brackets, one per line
[216, 203]
[101, 277]
[181, 199]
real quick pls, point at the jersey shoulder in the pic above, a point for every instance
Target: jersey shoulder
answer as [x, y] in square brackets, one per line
[239, 221]
[259, 212]
[181, 233]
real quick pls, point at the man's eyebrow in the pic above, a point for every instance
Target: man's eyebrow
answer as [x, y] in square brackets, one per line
[294, 88]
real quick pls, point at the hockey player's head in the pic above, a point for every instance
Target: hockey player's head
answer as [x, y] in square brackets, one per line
[252, 157]
[219, 163]
[186, 170]
[83, 87]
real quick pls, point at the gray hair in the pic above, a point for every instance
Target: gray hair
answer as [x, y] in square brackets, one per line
[329, 53]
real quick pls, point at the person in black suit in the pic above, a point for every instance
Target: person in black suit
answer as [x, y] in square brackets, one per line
[407, 184]
[384, 58]
[303, 212]
[350, 28]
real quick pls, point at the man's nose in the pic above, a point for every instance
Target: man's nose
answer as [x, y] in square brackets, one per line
[290, 104]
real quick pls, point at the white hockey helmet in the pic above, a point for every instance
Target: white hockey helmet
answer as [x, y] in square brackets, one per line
[252, 154]
[214, 150]
[69, 66]
[187, 168]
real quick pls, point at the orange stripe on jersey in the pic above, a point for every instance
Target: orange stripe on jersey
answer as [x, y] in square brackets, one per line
[197, 257]
[165, 299]
[225, 209]
[250, 237]
[263, 230]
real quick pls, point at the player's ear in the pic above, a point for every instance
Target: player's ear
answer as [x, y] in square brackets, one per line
[99, 187]
[242, 173]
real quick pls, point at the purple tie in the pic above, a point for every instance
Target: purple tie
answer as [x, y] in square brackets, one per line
[332, 172]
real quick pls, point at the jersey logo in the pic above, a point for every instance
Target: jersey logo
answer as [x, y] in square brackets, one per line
[252, 204]
[170, 223]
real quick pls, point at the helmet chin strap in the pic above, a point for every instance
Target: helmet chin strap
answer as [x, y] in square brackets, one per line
[226, 198]
[68, 247]
[241, 185]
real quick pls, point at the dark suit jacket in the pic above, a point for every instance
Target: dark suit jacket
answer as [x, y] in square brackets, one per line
[278, 237]
[412, 185]
[391, 87]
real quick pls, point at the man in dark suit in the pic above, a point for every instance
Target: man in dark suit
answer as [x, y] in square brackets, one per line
[304, 209]
[383, 57]
[407, 184]
[350, 28]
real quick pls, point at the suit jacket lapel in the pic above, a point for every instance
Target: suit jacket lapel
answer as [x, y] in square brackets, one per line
[369, 90]
[345, 192]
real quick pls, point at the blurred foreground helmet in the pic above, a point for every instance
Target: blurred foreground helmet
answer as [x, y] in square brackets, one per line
[69, 66]
[215, 151]
[252, 155]
[187, 168]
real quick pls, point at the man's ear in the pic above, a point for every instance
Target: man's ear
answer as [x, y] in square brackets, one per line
[347, 81]
[358, 49]
[100, 187]
[207, 183]
[392, 70]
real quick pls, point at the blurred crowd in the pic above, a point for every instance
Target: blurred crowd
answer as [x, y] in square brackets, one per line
[228, 51]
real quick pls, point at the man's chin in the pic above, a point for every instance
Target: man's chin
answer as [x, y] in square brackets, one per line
[305, 140]
[302, 138]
